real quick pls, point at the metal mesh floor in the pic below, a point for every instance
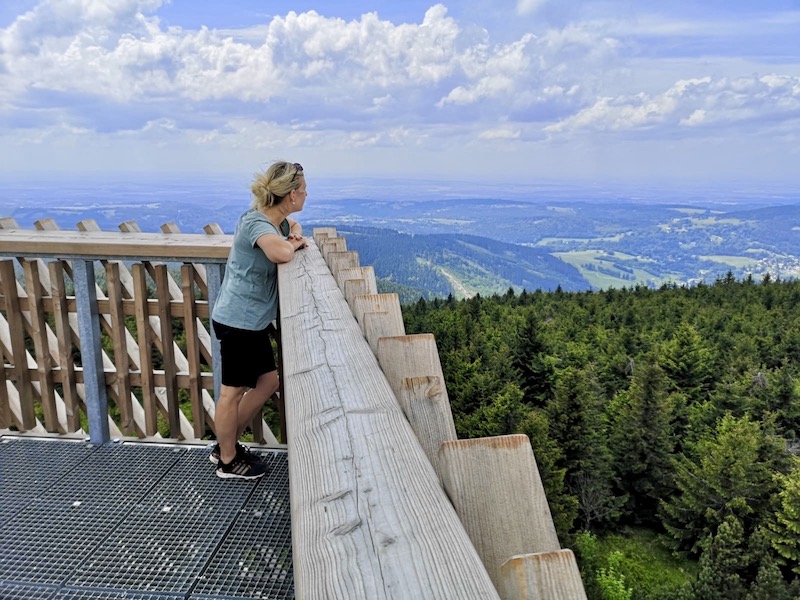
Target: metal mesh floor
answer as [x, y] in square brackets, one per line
[139, 521]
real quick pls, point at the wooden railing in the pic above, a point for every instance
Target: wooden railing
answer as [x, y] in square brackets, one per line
[141, 339]
[386, 501]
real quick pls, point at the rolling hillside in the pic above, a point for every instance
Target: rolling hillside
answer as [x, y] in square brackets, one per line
[463, 265]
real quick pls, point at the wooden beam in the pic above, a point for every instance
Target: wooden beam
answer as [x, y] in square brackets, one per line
[369, 518]
[97, 245]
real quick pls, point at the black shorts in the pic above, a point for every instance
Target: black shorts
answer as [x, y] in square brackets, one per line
[246, 355]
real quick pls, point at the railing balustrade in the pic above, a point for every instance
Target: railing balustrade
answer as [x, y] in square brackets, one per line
[90, 316]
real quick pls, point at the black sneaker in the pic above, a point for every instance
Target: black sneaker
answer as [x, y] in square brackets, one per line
[241, 468]
[214, 456]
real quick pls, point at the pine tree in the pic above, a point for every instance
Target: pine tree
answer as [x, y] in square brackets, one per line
[722, 563]
[530, 360]
[578, 425]
[784, 530]
[688, 363]
[642, 441]
[730, 472]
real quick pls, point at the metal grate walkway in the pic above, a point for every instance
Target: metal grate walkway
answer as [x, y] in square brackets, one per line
[139, 521]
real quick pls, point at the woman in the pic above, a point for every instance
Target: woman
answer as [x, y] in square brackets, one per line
[246, 305]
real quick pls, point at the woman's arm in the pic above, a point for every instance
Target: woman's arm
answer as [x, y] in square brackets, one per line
[294, 227]
[280, 250]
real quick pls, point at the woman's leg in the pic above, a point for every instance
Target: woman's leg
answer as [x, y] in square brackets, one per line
[226, 420]
[255, 398]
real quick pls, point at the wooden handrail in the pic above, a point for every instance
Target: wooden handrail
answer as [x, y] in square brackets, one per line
[97, 245]
[369, 517]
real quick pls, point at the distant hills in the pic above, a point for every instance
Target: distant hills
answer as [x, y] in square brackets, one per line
[427, 241]
[439, 264]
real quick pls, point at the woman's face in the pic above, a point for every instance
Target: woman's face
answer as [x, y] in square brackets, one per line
[299, 195]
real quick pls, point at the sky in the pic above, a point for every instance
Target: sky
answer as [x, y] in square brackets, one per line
[637, 91]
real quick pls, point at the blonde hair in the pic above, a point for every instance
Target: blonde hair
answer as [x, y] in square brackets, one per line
[270, 187]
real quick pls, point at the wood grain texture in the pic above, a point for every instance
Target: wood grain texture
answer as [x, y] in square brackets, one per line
[386, 323]
[175, 247]
[369, 519]
[365, 273]
[374, 303]
[543, 575]
[495, 487]
[412, 368]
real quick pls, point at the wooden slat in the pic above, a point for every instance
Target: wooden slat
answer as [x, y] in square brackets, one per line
[18, 354]
[128, 306]
[193, 351]
[64, 337]
[145, 339]
[110, 377]
[369, 518]
[162, 280]
[200, 277]
[5, 406]
[41, 347]
[121, 362]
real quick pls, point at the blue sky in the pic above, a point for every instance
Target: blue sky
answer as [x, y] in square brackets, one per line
[474, 90]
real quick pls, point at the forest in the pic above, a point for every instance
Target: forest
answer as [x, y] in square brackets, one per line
[670, 415]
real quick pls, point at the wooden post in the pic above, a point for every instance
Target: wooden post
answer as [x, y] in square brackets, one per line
[496, 489]
[341, 260]
[6, 420]
[385, 323]
[374, 303]
[193, 349]
[365, 273]
[44, 361]
[412, 368]
[332, 245]
[121, 362]
[353, 288]
[323, 233]
[542, 575]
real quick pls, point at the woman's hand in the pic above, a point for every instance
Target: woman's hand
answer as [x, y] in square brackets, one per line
[297, 241]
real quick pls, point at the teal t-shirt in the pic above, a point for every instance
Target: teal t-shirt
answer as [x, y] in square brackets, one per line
[248, 296]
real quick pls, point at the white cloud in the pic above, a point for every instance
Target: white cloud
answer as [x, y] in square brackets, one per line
[501, 133]
[526, 7]
[107, 72]
[692, 103]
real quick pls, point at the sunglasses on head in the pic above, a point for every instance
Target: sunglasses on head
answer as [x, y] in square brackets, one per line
[298, 168]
